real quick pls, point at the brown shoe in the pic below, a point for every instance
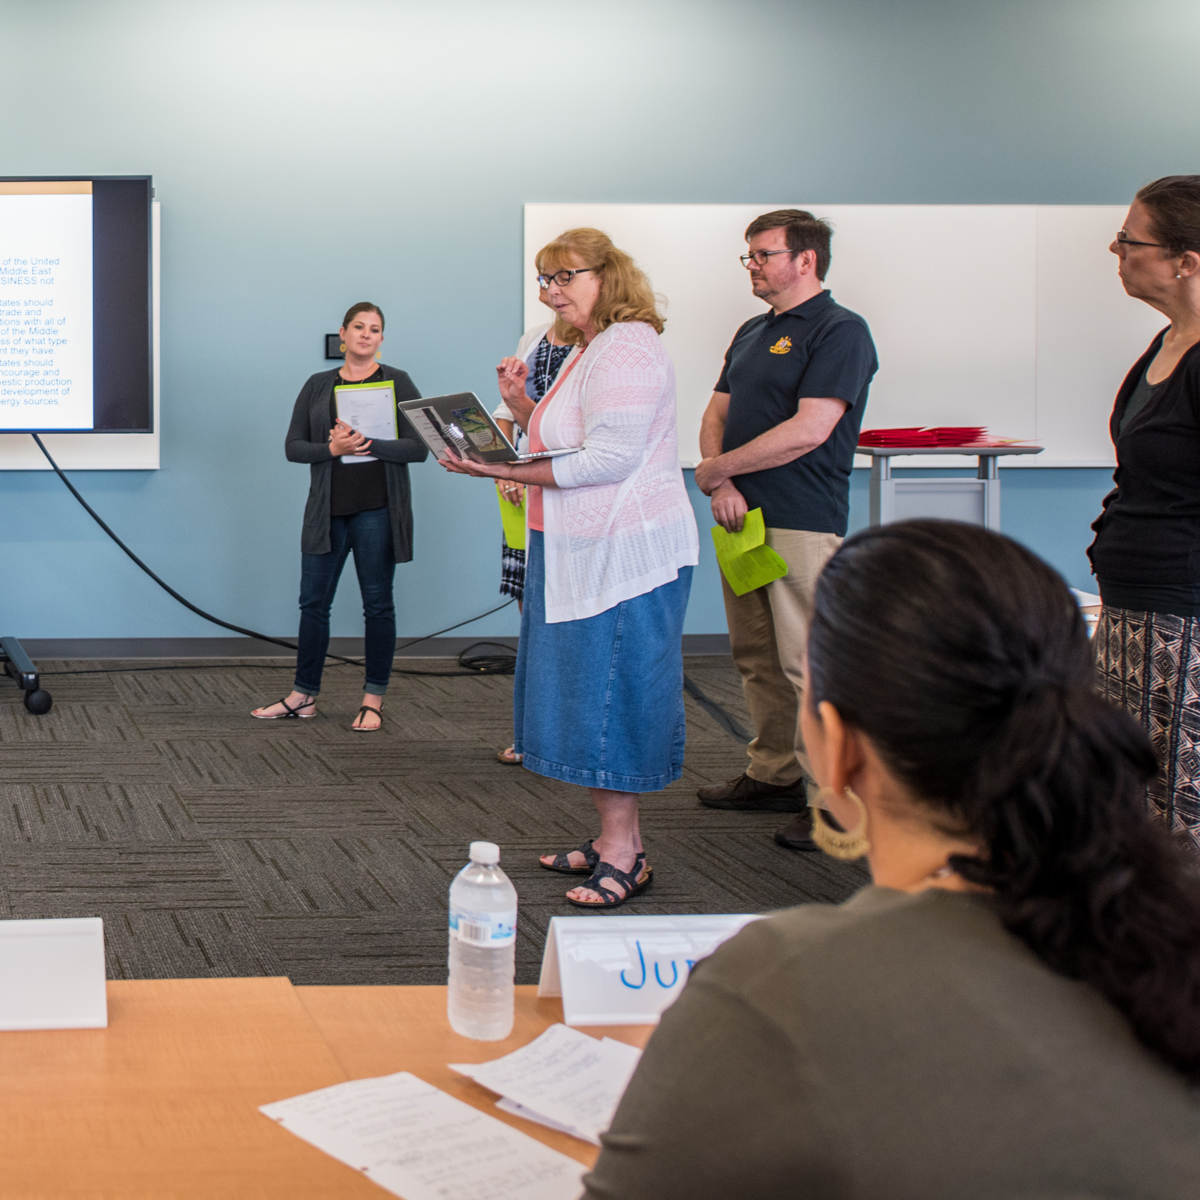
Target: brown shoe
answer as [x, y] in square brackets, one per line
[797, 833]
[744, 794]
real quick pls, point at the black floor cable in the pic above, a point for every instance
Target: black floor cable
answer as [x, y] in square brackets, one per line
[726, 720]
[480, 665]
[469, 664]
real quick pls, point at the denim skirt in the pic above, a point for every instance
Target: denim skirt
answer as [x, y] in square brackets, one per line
[599, 702]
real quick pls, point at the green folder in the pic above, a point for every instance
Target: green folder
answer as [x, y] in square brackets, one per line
[745, 559]
[512, 516]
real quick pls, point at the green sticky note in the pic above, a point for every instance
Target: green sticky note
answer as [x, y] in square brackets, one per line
[745, 559]
[512, 516]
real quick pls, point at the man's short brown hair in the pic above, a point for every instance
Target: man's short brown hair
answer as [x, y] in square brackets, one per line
[804, 232]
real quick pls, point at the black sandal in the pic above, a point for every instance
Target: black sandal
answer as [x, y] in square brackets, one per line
[562, 862]
[634, 882]
[366, 708]
[290, 712]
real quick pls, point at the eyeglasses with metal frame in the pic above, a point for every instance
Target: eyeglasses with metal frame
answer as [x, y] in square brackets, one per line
[759, 257]
[1123, 239]
[562, 278]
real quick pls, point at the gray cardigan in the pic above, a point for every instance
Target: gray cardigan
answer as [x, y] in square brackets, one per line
[896, 1048]
[308, 442]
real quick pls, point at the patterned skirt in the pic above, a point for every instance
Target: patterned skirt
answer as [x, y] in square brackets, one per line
[512, 572]
[1149, 664]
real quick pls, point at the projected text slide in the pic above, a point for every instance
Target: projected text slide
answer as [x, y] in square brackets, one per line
[46, 305]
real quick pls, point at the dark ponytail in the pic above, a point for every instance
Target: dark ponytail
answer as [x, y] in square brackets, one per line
[964, 659]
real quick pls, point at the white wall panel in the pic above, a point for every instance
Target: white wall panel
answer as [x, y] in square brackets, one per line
[1008, 316]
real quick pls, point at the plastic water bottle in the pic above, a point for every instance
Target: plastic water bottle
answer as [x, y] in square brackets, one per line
[483, 936]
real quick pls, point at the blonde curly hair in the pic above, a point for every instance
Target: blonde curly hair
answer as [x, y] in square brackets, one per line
[625, 292]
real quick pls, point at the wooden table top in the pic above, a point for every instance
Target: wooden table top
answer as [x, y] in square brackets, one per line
[163, 1103]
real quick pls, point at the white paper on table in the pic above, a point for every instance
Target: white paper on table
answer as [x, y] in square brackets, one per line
[422, 1144]
[504, 1104]
[370, 409]
[564, 1075]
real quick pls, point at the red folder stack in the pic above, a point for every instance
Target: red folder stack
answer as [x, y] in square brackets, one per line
[925, 435]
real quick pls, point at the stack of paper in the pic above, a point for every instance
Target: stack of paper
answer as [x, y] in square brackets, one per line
[745, 559]
[417, 1142]
[564, 1080]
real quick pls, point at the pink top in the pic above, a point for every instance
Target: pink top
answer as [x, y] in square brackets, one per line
[533, 493]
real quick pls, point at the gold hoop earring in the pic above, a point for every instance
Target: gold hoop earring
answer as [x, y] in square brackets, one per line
[379, 356]
[342, 347]
[837, 843]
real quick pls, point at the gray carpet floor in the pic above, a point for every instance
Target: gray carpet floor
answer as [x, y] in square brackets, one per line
[216, 845]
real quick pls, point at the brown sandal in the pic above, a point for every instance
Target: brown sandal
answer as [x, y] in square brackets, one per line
[510, 757]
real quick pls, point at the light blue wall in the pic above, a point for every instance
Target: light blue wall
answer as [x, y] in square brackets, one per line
[312, 154]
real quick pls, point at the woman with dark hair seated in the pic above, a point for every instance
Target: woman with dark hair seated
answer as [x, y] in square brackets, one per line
[1013, 1009]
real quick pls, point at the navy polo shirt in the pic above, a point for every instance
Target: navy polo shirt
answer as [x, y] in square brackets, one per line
[817, 348]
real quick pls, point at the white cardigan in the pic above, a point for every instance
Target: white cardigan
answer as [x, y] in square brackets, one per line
[619, 523]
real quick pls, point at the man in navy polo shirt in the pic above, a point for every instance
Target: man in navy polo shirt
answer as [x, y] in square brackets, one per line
[779, 434]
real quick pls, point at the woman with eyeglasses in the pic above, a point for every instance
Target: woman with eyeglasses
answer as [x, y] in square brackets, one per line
[1146, 553]
[1012, 1008]
[359, 502]
[598, 699]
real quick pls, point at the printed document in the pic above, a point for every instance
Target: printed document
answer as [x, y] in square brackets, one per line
[417, 1142]
[745, 559]
[369, 408]
[564, 1079]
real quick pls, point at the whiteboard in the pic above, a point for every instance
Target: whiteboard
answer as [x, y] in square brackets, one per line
[99, 451]
[1008, 316]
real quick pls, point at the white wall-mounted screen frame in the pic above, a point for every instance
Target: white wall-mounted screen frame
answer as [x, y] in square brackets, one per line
[1007, 316]
[101, 451]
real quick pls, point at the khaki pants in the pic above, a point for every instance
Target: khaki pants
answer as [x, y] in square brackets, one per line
[768, 632]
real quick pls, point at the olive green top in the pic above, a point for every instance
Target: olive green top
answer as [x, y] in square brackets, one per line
[896, 1047]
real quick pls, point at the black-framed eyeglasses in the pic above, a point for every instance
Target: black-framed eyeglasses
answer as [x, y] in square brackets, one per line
[1123, 239]
[759, 257]
[562, 278]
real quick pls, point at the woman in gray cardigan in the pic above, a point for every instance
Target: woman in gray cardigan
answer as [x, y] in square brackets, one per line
[364, 507]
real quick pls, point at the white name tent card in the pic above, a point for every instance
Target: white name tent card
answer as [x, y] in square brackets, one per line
[52, 974]
[627, 970]
[563, 1079]
[417, 1142]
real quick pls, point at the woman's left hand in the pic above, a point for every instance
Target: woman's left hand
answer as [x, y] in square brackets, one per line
[511, 490]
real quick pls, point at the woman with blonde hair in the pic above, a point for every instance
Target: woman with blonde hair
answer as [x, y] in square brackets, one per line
[612, 543]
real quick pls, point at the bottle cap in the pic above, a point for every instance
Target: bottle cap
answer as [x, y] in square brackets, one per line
[485, 853]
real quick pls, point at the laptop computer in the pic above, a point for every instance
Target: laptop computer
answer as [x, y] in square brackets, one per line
[461, 423]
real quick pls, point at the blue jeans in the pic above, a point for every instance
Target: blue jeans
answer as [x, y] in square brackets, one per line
[369, 535]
